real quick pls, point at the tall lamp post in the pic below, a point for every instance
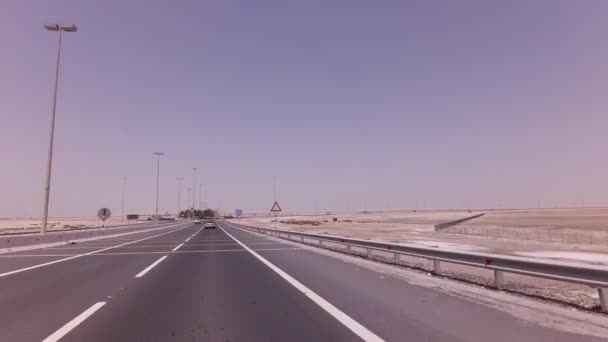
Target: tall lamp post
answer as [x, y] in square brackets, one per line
[194, 191]
[179, 196]
[200, 197]
[157, 154]
[188, 211]
[47, 187]
[124, 187]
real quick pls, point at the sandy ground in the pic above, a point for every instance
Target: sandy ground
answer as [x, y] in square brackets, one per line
[12, 225]
[574, 235]
[508, 232]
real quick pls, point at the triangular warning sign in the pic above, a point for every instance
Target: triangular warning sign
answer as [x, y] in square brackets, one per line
[276, 207]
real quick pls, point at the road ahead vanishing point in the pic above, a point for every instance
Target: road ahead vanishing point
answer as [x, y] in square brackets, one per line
[186, 283]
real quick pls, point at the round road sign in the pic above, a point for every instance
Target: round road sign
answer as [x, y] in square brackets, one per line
[104, 214]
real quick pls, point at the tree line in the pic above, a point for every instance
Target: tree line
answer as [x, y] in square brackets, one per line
[197, 214]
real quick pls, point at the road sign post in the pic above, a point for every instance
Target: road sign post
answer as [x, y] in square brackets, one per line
[104, 214]
[275, 210]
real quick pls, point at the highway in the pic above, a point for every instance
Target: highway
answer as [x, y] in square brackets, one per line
[185, 283]
[26, 239]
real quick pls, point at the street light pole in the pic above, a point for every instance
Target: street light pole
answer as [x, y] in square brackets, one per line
[47, 186]
[124, 187]
[157, 154]
[188, 189]
[179, 196]
[194, 191]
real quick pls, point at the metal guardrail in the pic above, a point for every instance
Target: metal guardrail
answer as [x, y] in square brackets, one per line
[596, 277]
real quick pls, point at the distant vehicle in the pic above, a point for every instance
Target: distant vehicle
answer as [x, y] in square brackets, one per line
[197, 221]
[210, 225]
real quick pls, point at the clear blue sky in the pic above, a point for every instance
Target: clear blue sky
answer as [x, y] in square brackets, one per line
[352, 103]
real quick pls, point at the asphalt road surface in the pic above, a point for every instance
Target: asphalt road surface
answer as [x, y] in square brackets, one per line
[16, 240]
[185, 283]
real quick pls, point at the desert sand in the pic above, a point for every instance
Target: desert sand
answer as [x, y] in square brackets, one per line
[577, 235]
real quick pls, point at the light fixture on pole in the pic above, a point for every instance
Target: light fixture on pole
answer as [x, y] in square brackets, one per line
[47, 187]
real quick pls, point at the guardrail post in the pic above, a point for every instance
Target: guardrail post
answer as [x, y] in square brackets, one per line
[499, 278]
[348, 248]
[301, 239]
[603, 292]
[369, 252]
[436, 266]
[397, 256]
[320, 242]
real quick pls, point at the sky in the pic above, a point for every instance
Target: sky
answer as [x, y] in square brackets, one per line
[350, 104]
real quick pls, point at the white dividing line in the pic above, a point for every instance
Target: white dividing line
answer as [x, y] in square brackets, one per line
[34, 255]
[89, 253]
[69, 326]
[178, 246]
[93, 239]
[141, 274]
[347, 321]
[191, 236]
[93, 247]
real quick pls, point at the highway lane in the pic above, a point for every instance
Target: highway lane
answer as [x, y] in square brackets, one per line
[62, 291]
[399, 311]
[217, 293]
[18, 240]
[18, 260]
[203, 285]
[35, 302]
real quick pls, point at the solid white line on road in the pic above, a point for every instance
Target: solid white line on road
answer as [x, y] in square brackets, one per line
[188, 239]
[57, 335]
[145, 243]
[110, 241]
[178, 246]
[175, 253]
[141, 274]
[201, 251]
[214, 241]
[146, 253]
[34, 255]
[232, 242]
[347, 321]
[93, 247]
[89, 253]
[104, 238]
